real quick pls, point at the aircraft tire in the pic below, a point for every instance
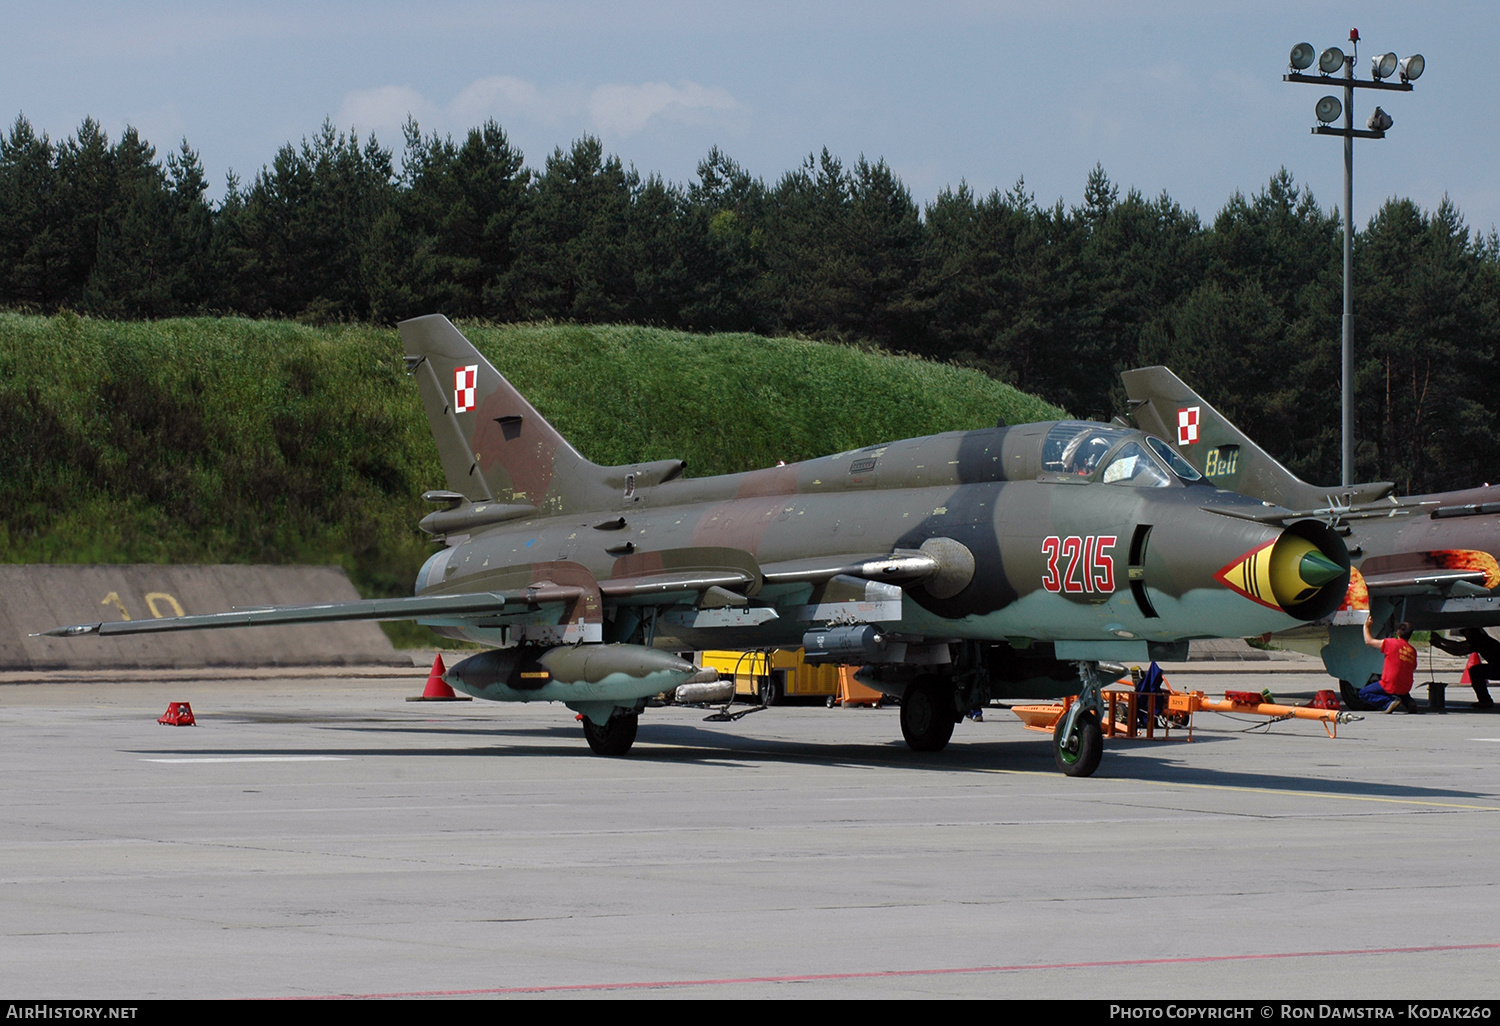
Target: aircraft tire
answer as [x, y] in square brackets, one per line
[1084, 759]
[926, 722]
[615, 737]
[1350, 696]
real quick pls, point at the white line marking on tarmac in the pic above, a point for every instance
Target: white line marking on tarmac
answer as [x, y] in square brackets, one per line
[259, 758]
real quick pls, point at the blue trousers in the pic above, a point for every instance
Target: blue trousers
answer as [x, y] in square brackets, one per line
[1379, 697]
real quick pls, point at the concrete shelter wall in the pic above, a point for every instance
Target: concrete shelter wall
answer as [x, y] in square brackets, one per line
[39, 597]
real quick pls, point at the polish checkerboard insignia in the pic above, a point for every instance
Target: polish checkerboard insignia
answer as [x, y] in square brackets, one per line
[464, 379]
[1187, 425]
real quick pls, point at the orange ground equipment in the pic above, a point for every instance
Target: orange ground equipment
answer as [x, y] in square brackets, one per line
[1155, 715]
[437, 689]
[178, 714]
[852, 692]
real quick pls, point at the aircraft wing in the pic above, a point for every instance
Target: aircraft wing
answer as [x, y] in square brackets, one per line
[721, 581]
[416, 607]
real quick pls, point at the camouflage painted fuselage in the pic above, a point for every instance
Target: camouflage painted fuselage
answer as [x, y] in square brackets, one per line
[901, 495]
[1013, 548]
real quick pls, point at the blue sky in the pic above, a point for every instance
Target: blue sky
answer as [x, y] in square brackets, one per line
[1181, 97]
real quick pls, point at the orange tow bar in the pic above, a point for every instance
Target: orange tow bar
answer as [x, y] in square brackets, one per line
[1191, 701]
[1123, 713]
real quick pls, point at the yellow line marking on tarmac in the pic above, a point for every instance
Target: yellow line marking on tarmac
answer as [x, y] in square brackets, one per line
[1273, 790]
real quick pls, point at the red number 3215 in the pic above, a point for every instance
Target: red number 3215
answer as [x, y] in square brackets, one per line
[1076, 565]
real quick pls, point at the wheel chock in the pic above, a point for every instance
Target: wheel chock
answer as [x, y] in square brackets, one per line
[178, 714]
[437, 689]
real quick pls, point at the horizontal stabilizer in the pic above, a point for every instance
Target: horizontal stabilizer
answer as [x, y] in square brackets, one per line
[1393, 585]
[1462, 572]
[1330, 513]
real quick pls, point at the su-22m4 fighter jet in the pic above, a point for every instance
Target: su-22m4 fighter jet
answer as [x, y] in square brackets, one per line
[1427, 559]
[955, 569]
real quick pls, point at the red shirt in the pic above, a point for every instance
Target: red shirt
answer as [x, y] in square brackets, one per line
[1400, 664]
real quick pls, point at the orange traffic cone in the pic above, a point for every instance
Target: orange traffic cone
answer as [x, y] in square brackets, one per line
[437, 689]
[178, 714]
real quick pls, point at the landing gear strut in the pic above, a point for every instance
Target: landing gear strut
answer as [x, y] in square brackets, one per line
[1078, 740]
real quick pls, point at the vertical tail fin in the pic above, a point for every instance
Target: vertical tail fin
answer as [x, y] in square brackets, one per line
[1164, 405]
[494, 445]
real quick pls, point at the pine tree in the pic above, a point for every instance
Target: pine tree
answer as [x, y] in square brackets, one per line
[33, 243]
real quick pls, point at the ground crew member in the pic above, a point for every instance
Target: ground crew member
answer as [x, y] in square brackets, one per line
[1394, 686]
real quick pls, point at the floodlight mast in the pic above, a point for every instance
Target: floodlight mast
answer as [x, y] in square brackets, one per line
[1410, 68]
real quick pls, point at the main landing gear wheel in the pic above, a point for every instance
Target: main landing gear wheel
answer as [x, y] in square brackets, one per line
[1079, 754]
[615, 737]
[1350, 695]
[927, 716]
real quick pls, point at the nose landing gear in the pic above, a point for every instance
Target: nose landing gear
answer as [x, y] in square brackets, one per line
[1078, 739]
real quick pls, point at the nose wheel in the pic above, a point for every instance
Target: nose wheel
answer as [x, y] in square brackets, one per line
[1078, 740]
[1077, 752]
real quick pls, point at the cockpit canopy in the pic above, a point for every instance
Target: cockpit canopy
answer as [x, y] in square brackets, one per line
[1125, 456]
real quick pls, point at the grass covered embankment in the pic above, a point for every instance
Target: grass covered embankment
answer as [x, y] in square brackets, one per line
[233, 441]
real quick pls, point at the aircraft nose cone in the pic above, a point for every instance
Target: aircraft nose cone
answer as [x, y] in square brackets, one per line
[1316, 569]
[1291, 573]
[1299, 569]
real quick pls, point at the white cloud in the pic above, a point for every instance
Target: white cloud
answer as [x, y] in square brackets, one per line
[504, 97]
[625, 109]
[611, 110]
[383, 110]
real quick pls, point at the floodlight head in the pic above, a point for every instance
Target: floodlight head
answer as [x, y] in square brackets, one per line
[1412, 67]
[1302, 56]
[1379, 121]
[1383, 65]
[1328, 109]
[1331, 60]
